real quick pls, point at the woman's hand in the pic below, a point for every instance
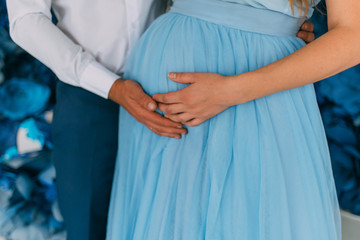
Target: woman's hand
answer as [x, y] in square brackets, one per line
[205, 97]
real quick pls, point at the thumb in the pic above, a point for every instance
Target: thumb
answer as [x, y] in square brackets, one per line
[148, 103]
[182, 77]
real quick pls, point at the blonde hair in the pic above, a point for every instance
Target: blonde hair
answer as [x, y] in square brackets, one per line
[302, 4]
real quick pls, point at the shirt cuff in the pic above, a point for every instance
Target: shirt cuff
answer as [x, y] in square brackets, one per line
[98, 79]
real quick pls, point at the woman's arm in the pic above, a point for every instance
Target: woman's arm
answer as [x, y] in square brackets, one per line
[335, 51]
[210, 94]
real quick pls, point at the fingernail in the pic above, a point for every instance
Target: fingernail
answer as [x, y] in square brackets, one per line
[152, 106]
[172, 75]
[179, 126]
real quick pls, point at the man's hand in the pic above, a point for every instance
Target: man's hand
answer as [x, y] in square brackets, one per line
[306, 32]
[131, 96]
[204, 98]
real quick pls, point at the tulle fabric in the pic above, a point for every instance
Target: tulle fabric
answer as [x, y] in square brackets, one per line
[258, 171]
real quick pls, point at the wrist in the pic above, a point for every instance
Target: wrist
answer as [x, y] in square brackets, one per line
[241, 88]
[116, 90]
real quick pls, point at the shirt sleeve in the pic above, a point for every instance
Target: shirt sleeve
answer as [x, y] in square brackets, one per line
[32, 29]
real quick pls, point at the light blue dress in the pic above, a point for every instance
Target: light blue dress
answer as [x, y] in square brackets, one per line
[257, 171]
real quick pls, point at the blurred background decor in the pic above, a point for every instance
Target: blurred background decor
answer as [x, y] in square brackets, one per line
[28, 206]
[339, 102]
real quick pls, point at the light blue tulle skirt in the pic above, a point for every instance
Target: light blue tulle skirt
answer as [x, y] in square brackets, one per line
[257, 171]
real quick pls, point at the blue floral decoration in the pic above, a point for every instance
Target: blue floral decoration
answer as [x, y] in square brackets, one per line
[339, 101]
[20, 98]
[28, 199]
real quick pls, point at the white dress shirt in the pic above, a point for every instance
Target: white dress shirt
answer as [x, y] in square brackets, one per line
[89, 45]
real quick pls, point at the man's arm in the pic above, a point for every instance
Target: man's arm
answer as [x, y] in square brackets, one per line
[32, 29]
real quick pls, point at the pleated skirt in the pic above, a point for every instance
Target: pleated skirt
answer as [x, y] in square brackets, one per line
[257, 171]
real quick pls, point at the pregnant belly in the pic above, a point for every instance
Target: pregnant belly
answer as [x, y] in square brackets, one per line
[180, 43]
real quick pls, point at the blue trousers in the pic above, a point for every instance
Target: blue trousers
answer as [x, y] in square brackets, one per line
[85, 132]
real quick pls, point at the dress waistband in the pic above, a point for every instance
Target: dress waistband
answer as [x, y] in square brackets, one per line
[239, 16]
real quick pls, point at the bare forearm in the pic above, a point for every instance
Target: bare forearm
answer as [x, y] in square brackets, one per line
[209, 93]
[330, 54]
